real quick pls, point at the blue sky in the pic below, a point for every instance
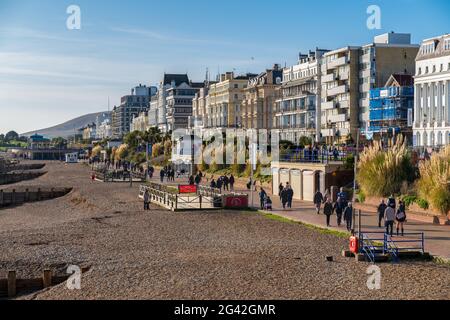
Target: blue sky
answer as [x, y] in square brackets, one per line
[49, 74]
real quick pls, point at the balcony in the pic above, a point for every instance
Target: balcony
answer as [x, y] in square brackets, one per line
[329, 78]
[337, 118]
[337, 90]
[338, 62]
[328, 132]
[328, 105]
[343, 104]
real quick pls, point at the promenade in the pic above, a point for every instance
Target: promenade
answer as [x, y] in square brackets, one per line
[437, 237]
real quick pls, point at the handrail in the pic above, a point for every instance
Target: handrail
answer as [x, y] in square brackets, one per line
[368, 249]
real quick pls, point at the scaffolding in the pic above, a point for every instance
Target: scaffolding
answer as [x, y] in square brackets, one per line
[389, 108]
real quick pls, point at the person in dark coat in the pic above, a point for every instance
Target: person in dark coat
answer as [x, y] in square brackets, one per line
[232, 183]
[198, 179]
[191, 180]
[146, 200]
[280, 189]
[339, 209]
[318, 199]
[219, 183]
[213, 183]
[328, 210]
[290, 196]
[391, 202]
[400, 216]
[161, 175]
[262, 198]
[348, 216]
[381, 208]
[284, 197]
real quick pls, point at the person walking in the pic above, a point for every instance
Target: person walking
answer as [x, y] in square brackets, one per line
[231, 183]
[400, 217]
[226, 182]
[389, 218]
[284, 197]
[146, 200]
[280, 189]
[219, 184]
[191, 180]
[198, 179]
[290, 196]
[391, 202]
[161, 175]
[381, 208]
[262, 198]
[348, 216]
[318, 199]
[328, 210]
[339, 208]
[213, 183]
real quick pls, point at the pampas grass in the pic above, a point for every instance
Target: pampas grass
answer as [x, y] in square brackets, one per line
[434, 182]
[383, 173]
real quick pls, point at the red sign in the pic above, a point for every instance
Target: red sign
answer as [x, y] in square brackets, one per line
[187, 188]
[236, 202]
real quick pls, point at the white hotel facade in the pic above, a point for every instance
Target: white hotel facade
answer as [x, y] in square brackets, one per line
[432, 93]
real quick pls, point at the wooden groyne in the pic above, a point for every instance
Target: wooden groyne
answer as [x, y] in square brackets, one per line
[20, 196]
[12, 286]
[13, 177]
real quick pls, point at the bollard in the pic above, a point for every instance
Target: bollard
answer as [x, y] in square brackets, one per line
[11, 284]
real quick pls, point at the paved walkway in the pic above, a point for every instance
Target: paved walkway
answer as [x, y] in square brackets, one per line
[437, 237]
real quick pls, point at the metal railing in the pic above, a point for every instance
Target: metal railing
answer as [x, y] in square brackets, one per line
[313, 156]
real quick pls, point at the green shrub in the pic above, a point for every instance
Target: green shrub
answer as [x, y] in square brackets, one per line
[361, 197]
[422, 203]
[409, 200]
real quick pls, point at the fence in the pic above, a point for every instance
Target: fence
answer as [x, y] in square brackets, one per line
[168, 198]
[313, 156]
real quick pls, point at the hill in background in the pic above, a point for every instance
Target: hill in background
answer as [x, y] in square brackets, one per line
[70, 127]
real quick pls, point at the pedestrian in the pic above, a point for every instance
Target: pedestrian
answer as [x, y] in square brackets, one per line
[389, 217]
[219, 184]
[232, 183]
[381, 208]
[226, 182]
[191, 180]
[400, 217]
[348, 216]
[198, 179]
[391, 202]
[318, 199]
[328, 210]
[161, 175]
[290, 196]
[339, 208]
[326, 196]
[343, 195]
[146, 200]
[262, 198]
[280, 189]
[213, 183]
[284, 197]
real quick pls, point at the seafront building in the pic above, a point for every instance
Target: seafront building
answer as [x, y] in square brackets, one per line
[89, 132]
[339, 94]
[391, 109]
[131, 105]
[179, 104]
[297, 106]
[224, 101]
[199, 102]
[432, 93]
[157, 115]
[259, 98]
[140, 122]
[390, 53]
[104, 129]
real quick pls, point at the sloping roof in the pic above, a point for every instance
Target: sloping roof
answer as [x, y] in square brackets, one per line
[178, 78]
[400, 80]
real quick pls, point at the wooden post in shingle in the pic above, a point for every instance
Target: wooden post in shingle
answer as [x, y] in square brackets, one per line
[47, 278]
[13, 197]
[27, 195]
[11, 284]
